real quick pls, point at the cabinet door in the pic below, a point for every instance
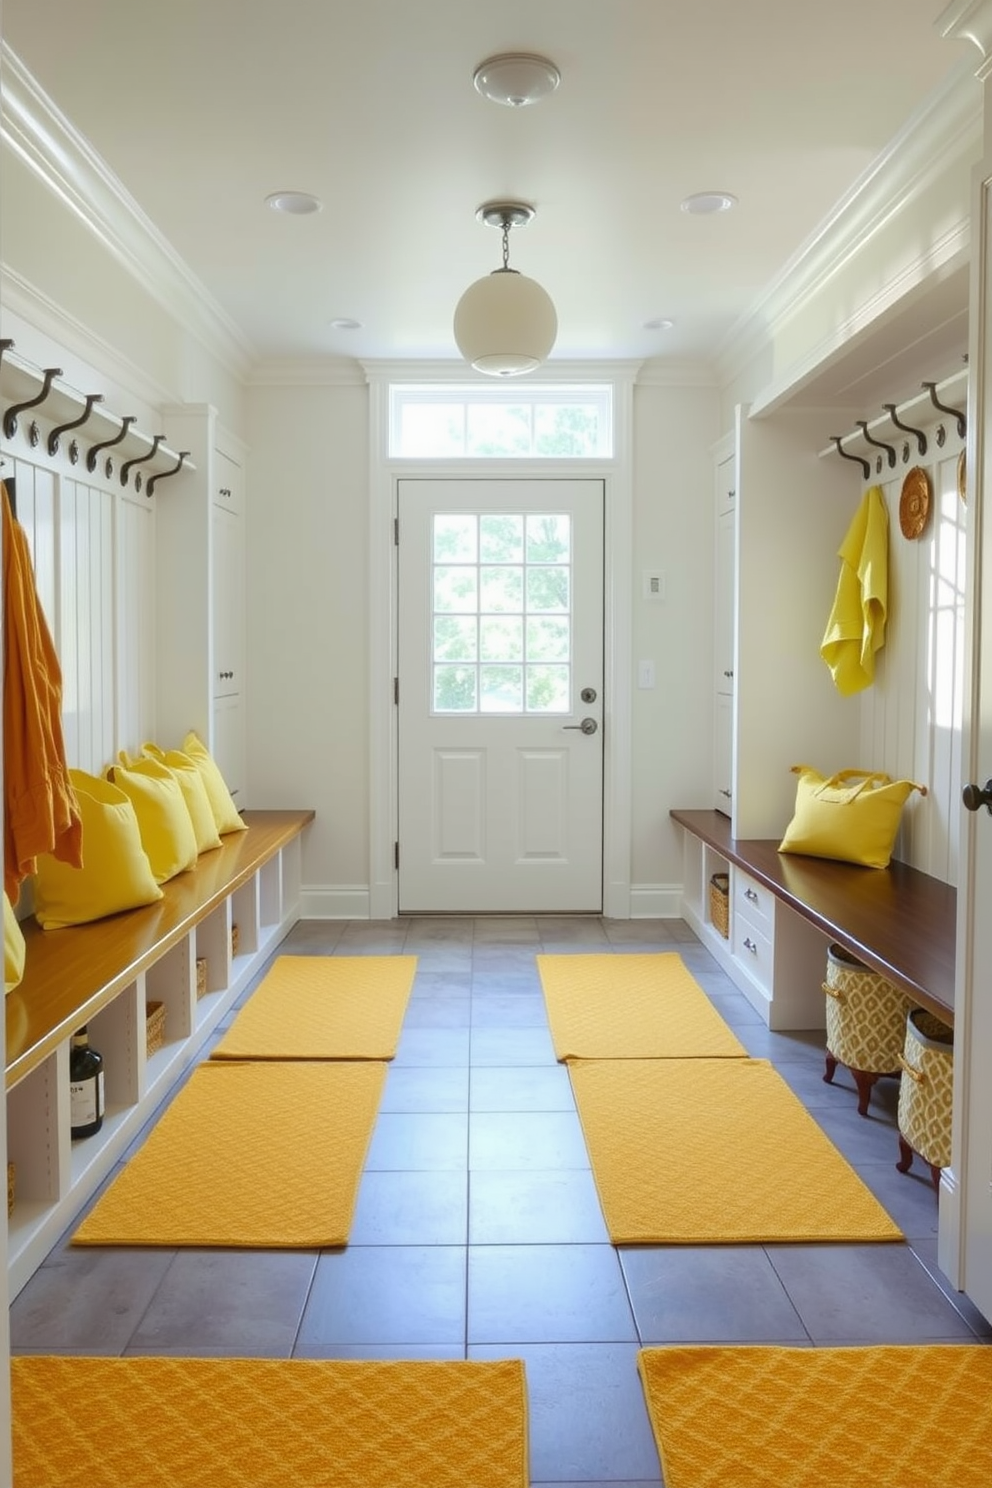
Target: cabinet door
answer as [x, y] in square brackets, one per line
[227, 602]
[726, 545]
[726, 484]
[723, 753]
[228, 747]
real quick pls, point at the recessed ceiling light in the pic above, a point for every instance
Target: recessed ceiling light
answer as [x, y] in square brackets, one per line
[516, 79]
[704, 203]
[660, 323]
[345, 323]
[295, 203]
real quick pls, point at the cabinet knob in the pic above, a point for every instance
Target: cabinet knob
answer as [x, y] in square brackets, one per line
[749, 945]
[728, 674]
[225, 491]
[750, 894]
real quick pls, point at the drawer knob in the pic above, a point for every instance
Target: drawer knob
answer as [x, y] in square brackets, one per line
[750, 894]
[749, 945]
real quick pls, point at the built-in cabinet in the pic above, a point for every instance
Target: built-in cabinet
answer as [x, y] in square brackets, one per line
[200, 533]
[724, 631]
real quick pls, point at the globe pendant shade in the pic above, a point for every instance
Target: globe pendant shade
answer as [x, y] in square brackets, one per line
[505, 324]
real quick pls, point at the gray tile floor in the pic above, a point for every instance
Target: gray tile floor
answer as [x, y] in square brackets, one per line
[478, 1231]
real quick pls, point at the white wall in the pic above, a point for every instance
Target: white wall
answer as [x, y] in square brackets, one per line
[307, 584]
[673, 530]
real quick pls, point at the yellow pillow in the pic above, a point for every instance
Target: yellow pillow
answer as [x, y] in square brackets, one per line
[116, 873]
[853, 816]
[194, 794]
[14, 949]
[163, 819]
[221, 802]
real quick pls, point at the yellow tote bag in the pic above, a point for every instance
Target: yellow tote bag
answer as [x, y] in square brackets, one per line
[852, 816]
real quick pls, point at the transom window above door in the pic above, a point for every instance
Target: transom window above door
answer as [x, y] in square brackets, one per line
[501, 613]
[563, 422]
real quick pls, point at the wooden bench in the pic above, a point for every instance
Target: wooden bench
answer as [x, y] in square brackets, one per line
[104, 975]
[897, 920]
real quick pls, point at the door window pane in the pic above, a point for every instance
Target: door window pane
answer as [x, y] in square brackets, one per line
[501, 689]
[455, 638]
[455, 689]
[456, 589]
[501, 625]
[502, 638]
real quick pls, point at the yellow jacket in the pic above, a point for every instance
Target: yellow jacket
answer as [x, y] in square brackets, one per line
[41, 813]
[856, 627]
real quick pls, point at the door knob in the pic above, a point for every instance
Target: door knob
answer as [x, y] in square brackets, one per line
[587, 726]
[975, 796]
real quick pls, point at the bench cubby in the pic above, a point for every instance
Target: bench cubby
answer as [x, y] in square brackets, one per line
[104, 975]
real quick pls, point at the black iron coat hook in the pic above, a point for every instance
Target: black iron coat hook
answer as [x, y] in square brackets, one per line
[164, 474]
[955, 413]
[921, 438]
[141, 460]
[109, 444]
[865, 467]
[890, 449]
[10, 417]
[53, 439]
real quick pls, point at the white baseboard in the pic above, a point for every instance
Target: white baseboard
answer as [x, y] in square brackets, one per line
[354, 901]
[656, 901]
[334, 902]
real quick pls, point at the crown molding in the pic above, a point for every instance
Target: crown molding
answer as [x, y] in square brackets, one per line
[20, 297]
[47, 142]
[947, 126]
[306, 371]
[657, 372]
[970, 20]
[457, 372]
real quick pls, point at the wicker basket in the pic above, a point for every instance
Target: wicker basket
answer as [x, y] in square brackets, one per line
[154, 1027]
[866, 1015]
[720, 903]
[11, 1180]
[201, 975]
[235, 940]
[926, 1089]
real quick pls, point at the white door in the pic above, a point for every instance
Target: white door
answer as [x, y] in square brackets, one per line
[972, 1156]
[500, 696]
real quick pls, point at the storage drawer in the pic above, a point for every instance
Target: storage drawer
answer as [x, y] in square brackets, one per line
[754, 902]
[753, 950]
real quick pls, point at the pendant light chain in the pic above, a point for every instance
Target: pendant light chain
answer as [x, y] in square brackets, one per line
[506, 244]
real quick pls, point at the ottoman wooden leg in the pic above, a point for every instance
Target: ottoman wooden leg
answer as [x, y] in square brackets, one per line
[905, 1155]
[831, 1068]
[864, 1081]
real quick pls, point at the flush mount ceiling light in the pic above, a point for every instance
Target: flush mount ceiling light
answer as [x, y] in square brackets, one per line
[705, 203]
[295, 203]
[660, 323]
[505, 324]
[516, 79]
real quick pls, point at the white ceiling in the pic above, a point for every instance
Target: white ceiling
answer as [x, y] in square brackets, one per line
[204, 107]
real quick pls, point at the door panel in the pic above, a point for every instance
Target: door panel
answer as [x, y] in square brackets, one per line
[500, 630]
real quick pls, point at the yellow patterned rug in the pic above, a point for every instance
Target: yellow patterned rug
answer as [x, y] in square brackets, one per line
[713, 1151]
[323, 1007]
[261, 1154]
[617, 1006]
[270, 1423]
[914, 1416]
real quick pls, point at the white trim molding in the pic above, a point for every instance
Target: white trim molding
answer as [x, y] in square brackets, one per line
[946, 128]
[37, 131]
[384, 476]
[335, 902]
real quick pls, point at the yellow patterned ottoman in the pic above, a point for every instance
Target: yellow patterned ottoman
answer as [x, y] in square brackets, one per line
[866, 1022]
[925, 1093]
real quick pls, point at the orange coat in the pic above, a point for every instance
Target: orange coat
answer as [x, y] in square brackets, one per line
[41, 814]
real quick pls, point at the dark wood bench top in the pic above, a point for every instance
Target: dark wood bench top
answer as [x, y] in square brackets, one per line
[72, 973]
[897, 920]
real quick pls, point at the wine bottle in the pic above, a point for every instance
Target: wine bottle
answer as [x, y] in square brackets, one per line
[85, 1086]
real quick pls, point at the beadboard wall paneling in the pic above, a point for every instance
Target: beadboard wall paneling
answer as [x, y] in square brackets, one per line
[92, 548]
[911, 717]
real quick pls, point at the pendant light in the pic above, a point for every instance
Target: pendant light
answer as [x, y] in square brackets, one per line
[505, 323]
